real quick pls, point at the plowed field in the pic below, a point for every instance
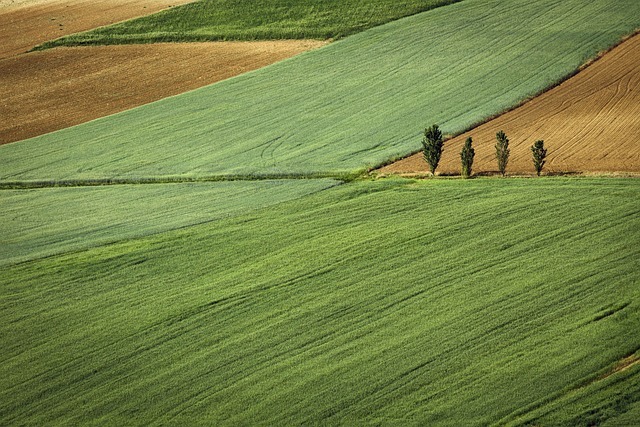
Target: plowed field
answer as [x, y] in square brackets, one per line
[53, 89]
[26, 23]
[590, 123]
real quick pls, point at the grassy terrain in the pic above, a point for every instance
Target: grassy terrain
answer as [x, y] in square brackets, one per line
[393, 302]
[610, 400]
[440, 302]
[46, 221]
[351, 105]
[208, 20]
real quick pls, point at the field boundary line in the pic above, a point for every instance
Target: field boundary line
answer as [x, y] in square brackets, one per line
[97, 182]
[343, 177]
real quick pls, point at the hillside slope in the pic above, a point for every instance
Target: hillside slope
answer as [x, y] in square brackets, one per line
[43, 222]
[439, 302]
[46, 91]
[348, 106]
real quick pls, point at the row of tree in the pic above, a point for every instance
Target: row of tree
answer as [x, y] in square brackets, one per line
[433, 146]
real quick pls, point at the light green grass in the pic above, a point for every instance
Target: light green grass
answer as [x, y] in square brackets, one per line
[208, 20]
[439, 302]
[47, 221]
[350, 105]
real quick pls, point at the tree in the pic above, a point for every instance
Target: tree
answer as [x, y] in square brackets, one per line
[539, 155]
[466, 157]
[432, 147]
[502, 151]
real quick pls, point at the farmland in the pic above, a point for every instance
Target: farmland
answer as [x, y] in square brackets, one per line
[212, 20]
[42, 222]
[46, 91]
[348, 106]
[220, 258]
[27, 23]
[41, 92]
[590, 123]
[392, 301]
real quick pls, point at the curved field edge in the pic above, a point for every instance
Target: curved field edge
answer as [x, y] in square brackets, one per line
[351, 105]
[572, 118]
[48, 221]
[220, 20]
[405, 302]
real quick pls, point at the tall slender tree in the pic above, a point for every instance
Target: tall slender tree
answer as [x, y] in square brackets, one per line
[539, 155]
[502, 151]
[466, 158]
[432, 147]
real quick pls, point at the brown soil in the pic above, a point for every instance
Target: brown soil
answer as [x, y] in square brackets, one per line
[49, 90]
[27, 23]
[589, 123]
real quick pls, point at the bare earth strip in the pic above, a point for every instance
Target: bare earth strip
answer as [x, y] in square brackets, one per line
[27, 23]
[49, 90]
[590, 123]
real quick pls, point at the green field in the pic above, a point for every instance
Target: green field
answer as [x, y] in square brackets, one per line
[393, 302]
[351, 105]
[153, 270]
[208, 20]
[43, 222]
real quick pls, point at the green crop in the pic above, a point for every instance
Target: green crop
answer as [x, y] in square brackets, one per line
[46, 221]
[396, 302]
[208, 20]
[135, 289]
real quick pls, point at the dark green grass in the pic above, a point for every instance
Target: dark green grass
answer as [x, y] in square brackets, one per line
[613, 400]
[394, 302]
[46, 221]
[628, 419]
[351, 105]
[209, 20]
